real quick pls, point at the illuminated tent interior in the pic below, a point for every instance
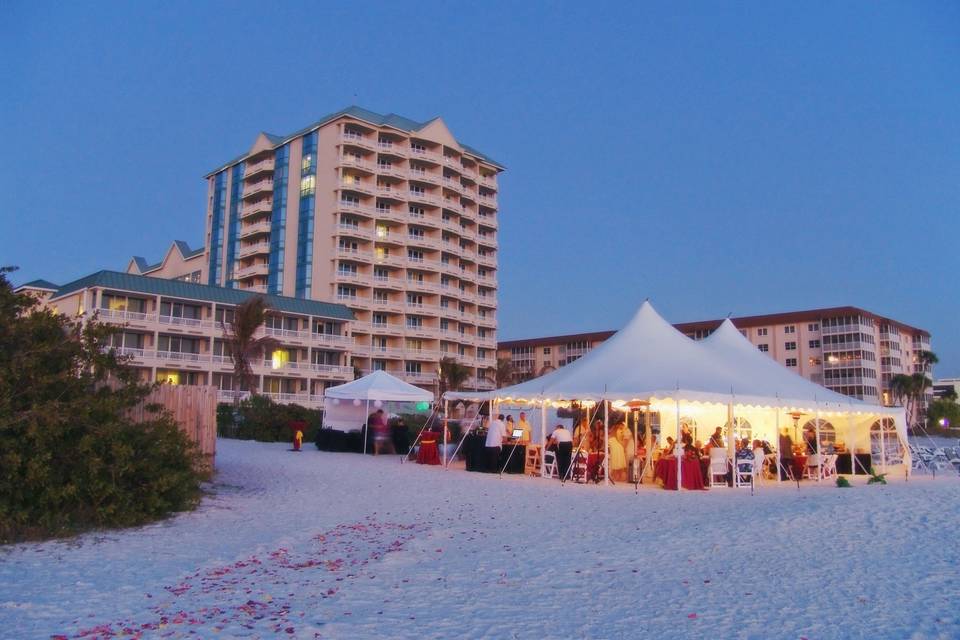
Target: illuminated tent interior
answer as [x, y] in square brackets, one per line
[720, 381]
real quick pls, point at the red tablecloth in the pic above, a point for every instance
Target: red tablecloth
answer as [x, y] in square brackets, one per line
[666, 470]
[428, 453]
[799, 466]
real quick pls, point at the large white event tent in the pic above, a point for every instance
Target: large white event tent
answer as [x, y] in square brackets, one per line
[723, 379]
[377, 387]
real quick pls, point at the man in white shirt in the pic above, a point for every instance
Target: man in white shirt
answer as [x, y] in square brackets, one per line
[564, 443]
[496, 432]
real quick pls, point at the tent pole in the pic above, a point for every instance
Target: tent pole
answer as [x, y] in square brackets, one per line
[606, 442]
[633, 463]
[677, 449]
[648, 441]
[883, 448]
[543, 436]
[366, 429]
[819, 447]
[464, 436]
[446, 418]
[779, 453]
[731, 445]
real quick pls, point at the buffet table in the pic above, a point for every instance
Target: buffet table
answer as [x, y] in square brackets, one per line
[475, 452]
[864, 462]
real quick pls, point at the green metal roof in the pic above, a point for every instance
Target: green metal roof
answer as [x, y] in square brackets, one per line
[182, 246]
[188, 290]
[388, 120]
[39, 284]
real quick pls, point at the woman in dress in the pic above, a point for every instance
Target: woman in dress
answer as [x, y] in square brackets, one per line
[618, 457]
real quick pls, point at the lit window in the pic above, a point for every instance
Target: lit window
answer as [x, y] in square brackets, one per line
[308, 185]
[279, 359]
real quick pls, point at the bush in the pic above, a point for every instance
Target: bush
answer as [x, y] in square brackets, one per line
[70, 458]
[260, 418]
[843, 483]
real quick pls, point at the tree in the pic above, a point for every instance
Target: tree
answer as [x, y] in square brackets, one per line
[453, 375]
[910, 391]
[245, 348]
[70, 456]
[501, 375]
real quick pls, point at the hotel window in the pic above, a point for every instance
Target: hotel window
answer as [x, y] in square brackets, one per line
[380, 296]
[415, 322]
[762, 332]
[763, 347]
[380, 319]
[349, 199]
[790, 329]
[546, 351]
[813, 326]
[379, 273]
[791, 362]
[791, 346]
[814, 344]
[814, 361]
[347, 269]
[417, 212]
[416, 232]
[223, 316]
[383, 231]
[379, 365]
[444, 324]
[344, 291]
[412, 367]
[414, 255]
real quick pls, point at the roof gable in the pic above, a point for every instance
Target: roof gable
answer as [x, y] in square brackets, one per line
[437, 130]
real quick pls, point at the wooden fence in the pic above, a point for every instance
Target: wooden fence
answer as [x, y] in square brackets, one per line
[195, 410]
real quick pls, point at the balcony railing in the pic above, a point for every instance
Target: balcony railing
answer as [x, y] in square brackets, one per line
[254, 249]
[356, 139]
[185, 322]
[183, 356]
[350, 161]
[126, 316]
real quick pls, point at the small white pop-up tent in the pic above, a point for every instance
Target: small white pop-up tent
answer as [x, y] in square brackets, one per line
[650, 361]
[343, 401]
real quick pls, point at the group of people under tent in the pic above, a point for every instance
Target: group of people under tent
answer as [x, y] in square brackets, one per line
[623, 448]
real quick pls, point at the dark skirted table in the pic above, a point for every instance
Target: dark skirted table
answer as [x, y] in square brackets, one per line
[475, 453]
[864, 462]
[666, 470]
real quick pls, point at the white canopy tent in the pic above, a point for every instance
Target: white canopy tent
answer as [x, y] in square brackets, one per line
[650, 361]
[377, 388]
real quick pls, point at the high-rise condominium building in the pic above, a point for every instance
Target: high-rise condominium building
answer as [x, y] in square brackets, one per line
[846, 349]
[393, 218]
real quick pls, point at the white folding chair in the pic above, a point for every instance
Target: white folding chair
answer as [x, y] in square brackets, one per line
[743, 471]
[813, 463]
[550, 464]
[718, 467]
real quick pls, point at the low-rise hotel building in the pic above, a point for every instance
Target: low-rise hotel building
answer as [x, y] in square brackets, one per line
[174, 331]
[846, 349]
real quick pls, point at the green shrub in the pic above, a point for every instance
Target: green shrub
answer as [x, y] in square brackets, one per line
[877, 478]
[842, 482]
[260, 418]
[70, 458]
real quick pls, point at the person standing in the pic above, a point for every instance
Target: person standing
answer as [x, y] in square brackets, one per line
[716, 440]
[495, 435]
[381, 434]
[523, 424]
[563, 441]
[786, 455]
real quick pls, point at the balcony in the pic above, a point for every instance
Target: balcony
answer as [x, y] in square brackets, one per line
[843, 328]
[382, 213]
[256, 207]
[251, 230]
[453, 162]
[131, 317]
[332, 340]
[851, 345]
[418, 378]
[423, 197]
[487, 260]
[487, 240]
[487, 201]
[421, 308]
[392, 170]
[261, 269]
[303, 399]
[424, 155]
[188, 323]
[288, 334]
[255, 288]
[488, 182]
[251, 189]
[354, 231]
[386, 282]
[254, 249]
[389, 260]
[387, 328]
[377, 351]
[354, 254]
[423, 285]
[486, 301]
[359, 187]
[450, 183]
[391, 148]
[421, 354]
[355, 208]
[350, 161]
[487, 281]
[183, 357]
[841, 363]
[423, 241]
[390, 192]
[452, 205]
[357, 140]
[333, 370]
[256, 168]
[488, 220]
[423, 263]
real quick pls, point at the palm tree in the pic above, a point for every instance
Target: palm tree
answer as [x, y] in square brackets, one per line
[545, 369]
[910, 391]
[245, 348]
[502, 374]
[453, 375]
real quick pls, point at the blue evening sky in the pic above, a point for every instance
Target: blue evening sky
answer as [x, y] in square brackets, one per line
[717, 158]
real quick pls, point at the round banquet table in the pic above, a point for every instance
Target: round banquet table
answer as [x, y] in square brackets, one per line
[428, 453]
[666, 470]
